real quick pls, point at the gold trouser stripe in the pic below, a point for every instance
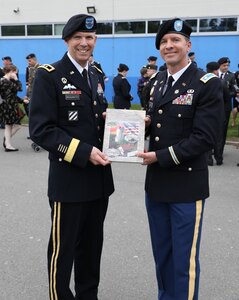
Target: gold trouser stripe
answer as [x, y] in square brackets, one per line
[192, 266]
[55, 250]
[71, 150]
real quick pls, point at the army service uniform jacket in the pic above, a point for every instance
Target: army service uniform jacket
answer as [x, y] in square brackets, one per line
[66, 120]
[122, 89]
[184, 126]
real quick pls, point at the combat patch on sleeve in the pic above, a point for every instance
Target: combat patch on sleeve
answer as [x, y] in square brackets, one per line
[47, 67]
[207, 77]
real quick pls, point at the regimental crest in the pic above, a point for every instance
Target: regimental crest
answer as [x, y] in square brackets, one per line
[89, 23]
[178, 25]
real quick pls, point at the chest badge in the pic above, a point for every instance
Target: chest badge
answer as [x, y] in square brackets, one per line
[191, 91]
[64, 80]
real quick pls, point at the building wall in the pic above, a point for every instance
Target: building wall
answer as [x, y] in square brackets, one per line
[112, 51]
[61, 10]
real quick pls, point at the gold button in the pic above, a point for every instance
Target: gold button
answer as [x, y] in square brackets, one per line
[159, 125]
[60, 159]
[190, 169]
[72, 103]
[156, 138]
[160, 111]
[179, 115]
[94, 103]
[96, 115]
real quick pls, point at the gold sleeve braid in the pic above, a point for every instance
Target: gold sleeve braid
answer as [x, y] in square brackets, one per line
[71, 150]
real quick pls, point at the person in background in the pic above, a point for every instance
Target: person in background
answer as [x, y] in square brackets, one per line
[152, 60]
[30, 76]
[235, 99]
[191, 56]
[184, 113]
[9, 112]
[103, 78]
[7, 60]
[213, 67]
[142, 81]
[121, 86]
[229, 79]
[67, 116]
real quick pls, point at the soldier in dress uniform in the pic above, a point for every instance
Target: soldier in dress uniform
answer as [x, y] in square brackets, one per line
[30, 76]
[122, 97]
[184, 113]
[230, 81]
[102, 77]
[67, 114]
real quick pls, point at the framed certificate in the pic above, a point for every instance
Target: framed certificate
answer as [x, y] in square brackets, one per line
[124, 135]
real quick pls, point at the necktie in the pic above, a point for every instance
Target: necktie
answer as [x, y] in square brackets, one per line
[168, 85]
[86, 79]
[222, 75]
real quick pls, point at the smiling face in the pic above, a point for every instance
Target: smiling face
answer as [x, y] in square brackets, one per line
[173, 49]
[81, 45]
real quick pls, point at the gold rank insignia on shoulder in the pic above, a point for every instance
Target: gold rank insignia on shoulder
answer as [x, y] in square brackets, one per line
[207, 77]
[99, 70]
[48, 68]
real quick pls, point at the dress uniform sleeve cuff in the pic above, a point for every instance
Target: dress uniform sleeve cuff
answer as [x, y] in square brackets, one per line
[78, 153]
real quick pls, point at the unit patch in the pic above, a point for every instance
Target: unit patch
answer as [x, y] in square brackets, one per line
[73, 115]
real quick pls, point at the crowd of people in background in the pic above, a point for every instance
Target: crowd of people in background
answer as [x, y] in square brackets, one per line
[122, 93]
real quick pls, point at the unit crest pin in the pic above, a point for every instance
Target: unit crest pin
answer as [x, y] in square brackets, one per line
[64, 80]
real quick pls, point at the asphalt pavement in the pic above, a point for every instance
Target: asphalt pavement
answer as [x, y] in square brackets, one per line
[127, 262]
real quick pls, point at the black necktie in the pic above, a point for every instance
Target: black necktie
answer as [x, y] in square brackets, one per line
[86, 79]
[168, 85]
[221, 76]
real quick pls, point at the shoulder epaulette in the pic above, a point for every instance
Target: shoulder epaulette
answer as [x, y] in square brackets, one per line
[152, 77]
[99, 70]
[207, 77]
[47, 67]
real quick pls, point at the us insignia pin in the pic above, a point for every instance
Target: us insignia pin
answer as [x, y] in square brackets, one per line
[191, 91]
[183, 84]
[72, 72]
[176, 91]
[64, 80]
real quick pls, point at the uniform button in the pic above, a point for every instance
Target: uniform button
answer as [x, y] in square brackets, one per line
[156, 138]
[159, 125]
[179, 115]
[96, 115]
[60, 159]
[98, 127]
[72, 103]
[190, 169]
[99, 140]
[94, 103]
[160, 111]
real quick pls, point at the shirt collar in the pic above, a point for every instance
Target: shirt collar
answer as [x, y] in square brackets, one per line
[78, 66]
[179, 73]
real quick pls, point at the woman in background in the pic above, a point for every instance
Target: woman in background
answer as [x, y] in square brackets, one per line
[122, 89]
[9, 86]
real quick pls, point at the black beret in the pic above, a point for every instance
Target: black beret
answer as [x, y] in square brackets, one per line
[212, 66]
[123, 67]
[173, 26]
[31, 55]
[152, 67]
[152, 58]
[223, 60]
[81, 22]
[7, 58]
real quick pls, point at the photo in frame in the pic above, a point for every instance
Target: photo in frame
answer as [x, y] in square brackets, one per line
[124, 135]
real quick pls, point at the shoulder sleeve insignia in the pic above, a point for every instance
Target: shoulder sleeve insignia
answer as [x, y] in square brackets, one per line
[99, 70]
[207, 77]
[48, 68]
